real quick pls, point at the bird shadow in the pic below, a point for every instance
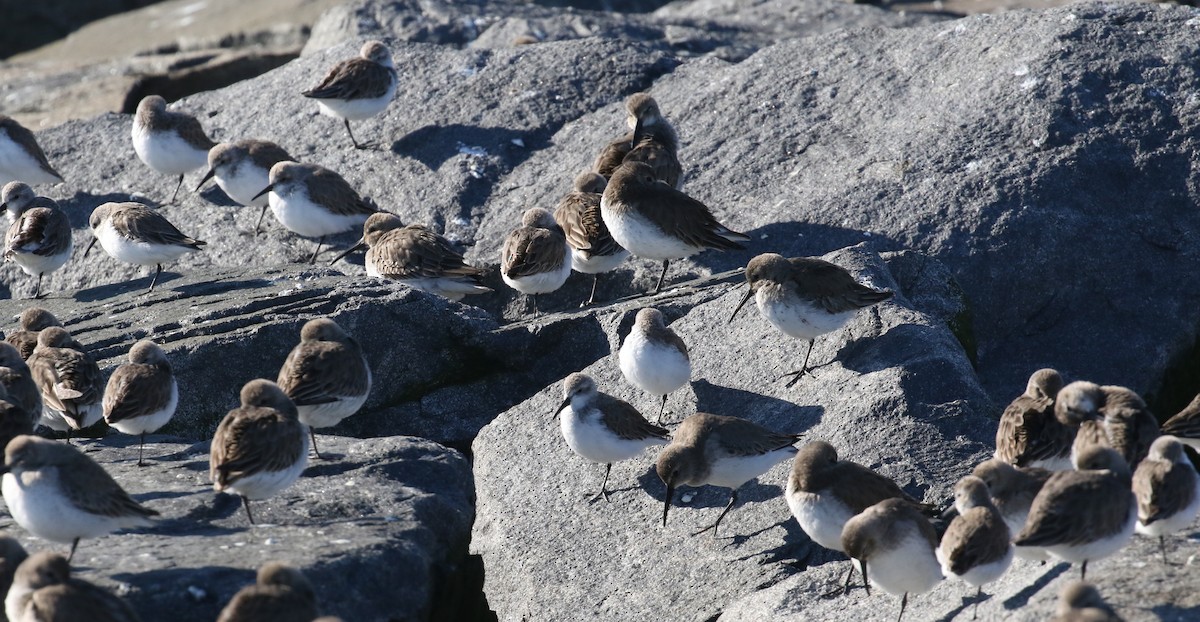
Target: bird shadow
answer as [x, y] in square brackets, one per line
[1020, 599]
[101, 292]
[329, 468]
[217, 286]
[214, 195]
[708, 496]
[1170, 611]
[968, 600]
[793, 239]
[717, 398]
[79, 207]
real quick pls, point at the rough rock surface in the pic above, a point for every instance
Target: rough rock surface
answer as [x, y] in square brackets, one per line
[381, 530]
[900, 397]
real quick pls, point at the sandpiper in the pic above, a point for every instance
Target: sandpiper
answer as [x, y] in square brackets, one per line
[44, 590]
[593, 250]
[652, 142]
[39, 239]
[260, 448]
[1012, 490]
[314, 202]
[325, 375]
[18, 383]
[32, 320]
[1083, 515]
[280, 594]
[805, 297]
[1167, 490]
[1080, 601]
[358, 88]
[976, 547]
[653, 357]
[824, 492]
[70, 381]
[535, 258]
[21, 159]
[243, 168]
[142, 394]
[602, 428]
[57, 493]
[14, 420]
[417, 257]
[1108, 415]
[655, 221]
[134, 233]
[172, 143]
[719, 451]
[1185, 425]
[11, 556]
[894, 547]
[1029, 434]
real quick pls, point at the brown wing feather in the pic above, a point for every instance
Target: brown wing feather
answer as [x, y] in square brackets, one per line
[1163, 489]
[1185, 423]
[530, 250]
[660, 157]
[832, 287]
[740, 437]
[136, 389]
[41, 231]
[320, 372]
[1074, 506]
[22, 136]
[78, 600]
[625, 421]
[683, 217]
[869, 487]
[981, 540]
[266, 154]
[191, 131]
[579, 216]
[249, 440]
[334, 192]
[416, 252]
[258, 603]
[67, 378]
[95, 491]
[613, 155]
[357, 78]
[145, 224]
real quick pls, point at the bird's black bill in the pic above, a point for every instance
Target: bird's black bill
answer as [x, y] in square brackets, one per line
[667, 503]
[269, 188]
[207, 176]
[741, 304]
[89, 247]
[357, 247]
[564, 404]
[638, 132]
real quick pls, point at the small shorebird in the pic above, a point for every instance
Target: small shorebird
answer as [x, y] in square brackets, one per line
[70, 381]
[358, 88]
[260, 448]
[14, 419]
[593, 250]
[1080, 601]
[243, 168]
[805, 297]
[1084, 515]
[39, 239]
[325, 375]
[653, 358]
[1111, 416]
[57, 493]
[21, 159]
[535, 257]
[142, 394]
[11, 556]
[975, 547]
[655, 221]
[894, 547]
[280, 594]
[417, 257]
[43, 590]
[32, 321]
[1012, 490]
[134, 233]
[313, 201]
[1185, 425]
[1167, 490]
[602, 428]
[719, 451]
[1029, 434]
[18, 383]
[652, 142]
[172, 143]
[824, 493]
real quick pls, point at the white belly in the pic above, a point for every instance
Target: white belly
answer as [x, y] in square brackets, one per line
[654, 368]
[15, 602]
[981, 574]
[797, 318]
[595, 264]
[1061, 463]
[1098, 549]
[167, 153]
[246, 181]
[137, 252]
[451, 288]
[642, 237]
[34, 264]
[586, 436]
[37, 504]
[541, 283]
[153, 421]
[733, 471]
[909, 568]
[301, 216]
[1179, 521]
[52, 419]
[330, 414]
[266, 484]
[821, 516]
[17, 165]
[357, 109]
[57, 420]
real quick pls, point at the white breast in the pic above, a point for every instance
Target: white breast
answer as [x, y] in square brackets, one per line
[655, 368]
[589, 438]
[642, 237]
[909, 567]
[542, 282]
[266, 484]
[357, 109]
[1179, 521]
[167, 153]
[244, 181]
[821, 516]
[733, 471]
[596, 264]
[137, 252]
[795, 317]
[36, 502]
[16, 164]
[331, 413]
[34, 264]
[981, 574]
[301, 216]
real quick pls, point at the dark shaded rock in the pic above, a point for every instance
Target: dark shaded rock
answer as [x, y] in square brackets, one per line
[215, 72]
[379, 530]
[30, 24]
[892, 390]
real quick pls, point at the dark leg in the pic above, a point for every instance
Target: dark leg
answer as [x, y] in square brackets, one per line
[591, 299]
[141, 447]
[1162, 548]
[157, 271]
[1083, 572]
[661, 277]
[866, 584]
[356, 145]
[177, 188]
[246, 504]
[803, 368]
[845, 589]
[660, 410]
[313, 259]
[903, 605]
[536, 311]
[313, 433]
[68, 435]
[604, 485]
[74, 543]
[261, 215]
[728, 506]
[978, 597]
[37, 293]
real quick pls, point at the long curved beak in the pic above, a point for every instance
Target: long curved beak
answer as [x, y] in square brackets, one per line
[357, 247]
[667, 502]
[565, 402]
[207, 176]
[638, 132]
[89, 247]
[269, 188]
[741, 304]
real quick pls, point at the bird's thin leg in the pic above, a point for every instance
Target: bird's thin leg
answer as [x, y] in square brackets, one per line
[313, 259]
[661, 409]
[37, 292]
[604, 484]
[591, 299]
[313, 433]
[141, 447]
[845, 588]
[536, 311]
[74, 543]
[1083, 571]
[261, 215]
[903, 605]
[978, 597]
[246, 504]
[177, 188]
[662, 277]
[356, 145]
[728, 506]
[157, 271]
[1162, 548]
[803, 368]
